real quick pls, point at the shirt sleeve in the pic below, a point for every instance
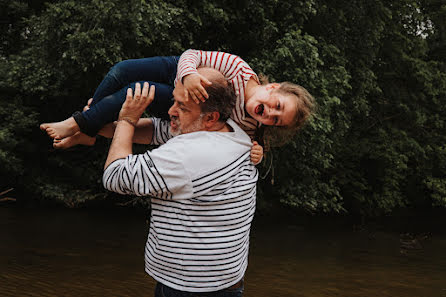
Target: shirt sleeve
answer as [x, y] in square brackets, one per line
[229, 65]
[159, 173]
[161, 131]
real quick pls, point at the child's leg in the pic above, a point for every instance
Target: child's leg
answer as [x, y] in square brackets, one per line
[107, 110]
[60, 129]
[75, 139]
[156, 69]
[160, 70]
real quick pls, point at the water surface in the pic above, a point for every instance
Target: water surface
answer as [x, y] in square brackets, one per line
[92, 253]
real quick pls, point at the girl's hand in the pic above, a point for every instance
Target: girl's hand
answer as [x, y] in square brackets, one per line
[87, 107]
[194, 87]
[256, 153]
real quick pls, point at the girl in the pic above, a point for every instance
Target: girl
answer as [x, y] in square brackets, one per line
[284, 106]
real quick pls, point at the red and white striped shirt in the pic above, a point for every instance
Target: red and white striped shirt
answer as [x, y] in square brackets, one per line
[234, 69]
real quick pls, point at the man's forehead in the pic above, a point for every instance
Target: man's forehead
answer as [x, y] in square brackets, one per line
[188, 103]
[191, 105]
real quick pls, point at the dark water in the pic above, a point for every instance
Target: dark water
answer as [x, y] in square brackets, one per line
[89, 253]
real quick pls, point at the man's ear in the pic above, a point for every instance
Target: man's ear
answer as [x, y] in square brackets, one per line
[210, 118]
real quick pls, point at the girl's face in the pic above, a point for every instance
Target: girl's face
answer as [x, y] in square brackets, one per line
[271, 108]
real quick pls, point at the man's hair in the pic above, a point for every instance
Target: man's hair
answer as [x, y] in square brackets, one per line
[221, 94]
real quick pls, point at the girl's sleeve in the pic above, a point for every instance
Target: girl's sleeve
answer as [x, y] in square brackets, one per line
[229, 65]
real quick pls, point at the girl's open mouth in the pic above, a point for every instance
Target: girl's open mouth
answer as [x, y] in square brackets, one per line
[259, 109]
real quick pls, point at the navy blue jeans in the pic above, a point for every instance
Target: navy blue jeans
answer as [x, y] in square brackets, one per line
[165, 291]
[111, 92]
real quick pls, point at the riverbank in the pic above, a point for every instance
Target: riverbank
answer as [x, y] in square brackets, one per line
[417, 222]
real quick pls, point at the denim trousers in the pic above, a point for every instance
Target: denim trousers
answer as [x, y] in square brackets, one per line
[165, 291]
[111, 92]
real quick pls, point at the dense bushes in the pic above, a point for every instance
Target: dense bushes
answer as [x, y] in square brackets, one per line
[376, 68]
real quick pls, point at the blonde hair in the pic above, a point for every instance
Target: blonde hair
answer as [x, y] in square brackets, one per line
[305, 108]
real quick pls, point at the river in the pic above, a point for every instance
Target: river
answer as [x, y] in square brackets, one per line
[63, 252]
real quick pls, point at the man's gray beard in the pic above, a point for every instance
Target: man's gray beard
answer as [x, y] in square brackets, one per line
[194, 127]
[176, 132]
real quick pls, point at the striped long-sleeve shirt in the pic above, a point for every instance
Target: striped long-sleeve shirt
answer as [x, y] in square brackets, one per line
[203, 189]
[233, 68]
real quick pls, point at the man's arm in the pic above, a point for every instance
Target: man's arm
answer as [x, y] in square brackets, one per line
[129, 115]
[143, 131]
[122, 142]
[159, 173]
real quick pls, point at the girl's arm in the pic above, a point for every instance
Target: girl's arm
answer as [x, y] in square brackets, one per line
[235, 69]
[231, 66]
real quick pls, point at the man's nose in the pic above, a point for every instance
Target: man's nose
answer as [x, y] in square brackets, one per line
[172, 110]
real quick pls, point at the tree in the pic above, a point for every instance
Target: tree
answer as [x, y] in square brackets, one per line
[376, 69]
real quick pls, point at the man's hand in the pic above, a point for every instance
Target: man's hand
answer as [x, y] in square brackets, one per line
[134, 105]
[130, 113]
[193, 85]
[256, 153]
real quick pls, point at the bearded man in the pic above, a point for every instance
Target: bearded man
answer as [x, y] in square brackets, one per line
[202, 187]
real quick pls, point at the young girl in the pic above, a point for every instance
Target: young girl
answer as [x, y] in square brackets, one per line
[284, 105]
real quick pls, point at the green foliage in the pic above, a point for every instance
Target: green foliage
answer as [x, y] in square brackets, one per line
[437, 186]
[17, 123]
[376, 69]
[304, 167]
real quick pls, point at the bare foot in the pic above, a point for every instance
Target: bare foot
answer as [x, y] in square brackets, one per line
[60, 129]
[70, 141]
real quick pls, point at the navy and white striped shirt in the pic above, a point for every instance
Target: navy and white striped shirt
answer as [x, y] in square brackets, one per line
[203, 189]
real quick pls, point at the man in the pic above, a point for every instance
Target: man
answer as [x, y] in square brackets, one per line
[202, 187]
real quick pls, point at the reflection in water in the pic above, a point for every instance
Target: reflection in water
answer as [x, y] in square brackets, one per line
[80, 253]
